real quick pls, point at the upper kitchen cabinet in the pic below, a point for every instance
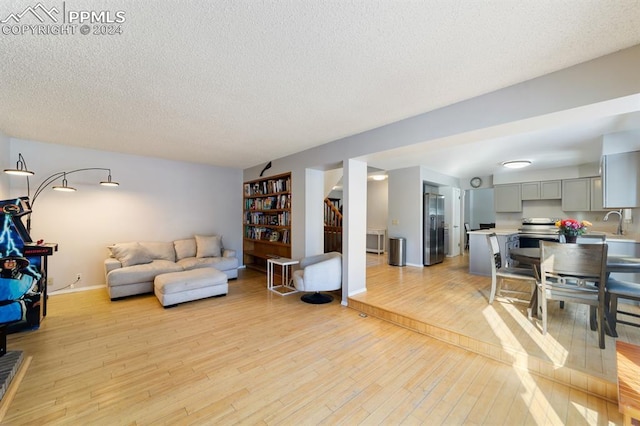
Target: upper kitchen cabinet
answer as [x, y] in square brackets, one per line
[545, 190]
[507, 198]
[620, 175]
[551, 190]
[597, 203]
[583, 194]
[576, 195]
[530, 190]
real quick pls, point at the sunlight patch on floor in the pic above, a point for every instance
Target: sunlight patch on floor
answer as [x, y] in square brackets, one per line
[551, 347]
[531, 392]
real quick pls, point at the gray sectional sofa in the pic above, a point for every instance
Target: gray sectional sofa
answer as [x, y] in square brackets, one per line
[133, 266]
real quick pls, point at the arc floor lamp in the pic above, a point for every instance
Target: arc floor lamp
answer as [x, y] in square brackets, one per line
[22, 170]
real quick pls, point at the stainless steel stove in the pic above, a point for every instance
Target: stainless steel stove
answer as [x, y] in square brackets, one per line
[535, 229]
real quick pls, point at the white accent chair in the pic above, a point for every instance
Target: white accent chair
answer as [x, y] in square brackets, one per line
[322, 272]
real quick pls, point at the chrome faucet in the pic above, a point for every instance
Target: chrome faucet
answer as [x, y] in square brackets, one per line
[619, 213]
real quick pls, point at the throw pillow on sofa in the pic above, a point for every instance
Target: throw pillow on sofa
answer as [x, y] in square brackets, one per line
[185, 248]
[160, 250]
[208, 246]
[130, 254]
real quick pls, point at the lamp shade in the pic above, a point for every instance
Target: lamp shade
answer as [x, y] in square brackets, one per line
[18, 172]
[64, 187]
[21, 168]
[109, 182]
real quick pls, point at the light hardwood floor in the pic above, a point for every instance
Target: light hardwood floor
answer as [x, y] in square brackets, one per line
[447, 302]
[254, 357]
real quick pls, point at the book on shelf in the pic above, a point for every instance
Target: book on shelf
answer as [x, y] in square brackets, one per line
[271, 186]
[261, 218]
[283, 201]
[266, 234]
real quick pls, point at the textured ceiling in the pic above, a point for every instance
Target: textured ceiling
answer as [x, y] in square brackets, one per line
[238, 83]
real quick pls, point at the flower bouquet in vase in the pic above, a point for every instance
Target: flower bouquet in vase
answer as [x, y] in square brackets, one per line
[572, 228]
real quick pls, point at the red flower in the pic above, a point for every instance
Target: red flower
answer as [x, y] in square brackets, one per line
[572, 227]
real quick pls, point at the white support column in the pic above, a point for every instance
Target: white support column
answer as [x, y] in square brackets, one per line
[314, 212]
[354, 243]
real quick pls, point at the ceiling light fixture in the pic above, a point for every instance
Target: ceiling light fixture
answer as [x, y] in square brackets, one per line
[21, 168]
[517, 164]
[378, 177]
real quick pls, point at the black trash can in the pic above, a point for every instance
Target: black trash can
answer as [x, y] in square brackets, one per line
[397, 251]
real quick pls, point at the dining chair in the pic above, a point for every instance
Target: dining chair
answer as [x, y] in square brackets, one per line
[574, 273]
[499, 273]
[618, 289]
[467, 228]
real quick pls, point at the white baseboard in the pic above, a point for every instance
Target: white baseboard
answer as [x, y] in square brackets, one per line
[74, 290]
[353, 293]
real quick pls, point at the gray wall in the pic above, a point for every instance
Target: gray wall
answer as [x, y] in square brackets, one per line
[405, 211]
[157, 200]
[481, 209]
[377, 207]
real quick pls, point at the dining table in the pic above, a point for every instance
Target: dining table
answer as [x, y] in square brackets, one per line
[615, 263]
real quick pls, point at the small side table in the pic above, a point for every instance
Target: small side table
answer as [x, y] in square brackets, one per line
[285, 286]
[381, 237]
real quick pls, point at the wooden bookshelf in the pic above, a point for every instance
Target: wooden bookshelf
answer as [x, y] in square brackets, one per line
[266, 220]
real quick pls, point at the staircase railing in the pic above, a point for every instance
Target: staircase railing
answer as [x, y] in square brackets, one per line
[332, 227]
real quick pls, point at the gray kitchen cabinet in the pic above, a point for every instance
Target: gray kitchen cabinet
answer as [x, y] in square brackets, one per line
[620, 180]
[597, 203]
[576, 195]
[551, 190]
[479, 256]
[530, 190]
[507, 198]
[545, 190]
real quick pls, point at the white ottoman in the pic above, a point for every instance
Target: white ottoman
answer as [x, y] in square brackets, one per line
[177, 287]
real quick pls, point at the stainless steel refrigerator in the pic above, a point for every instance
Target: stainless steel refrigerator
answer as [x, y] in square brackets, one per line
[433, 229]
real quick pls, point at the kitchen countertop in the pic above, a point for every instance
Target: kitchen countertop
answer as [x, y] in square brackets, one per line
[497, 231]
[631, 238]
[626, 238]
